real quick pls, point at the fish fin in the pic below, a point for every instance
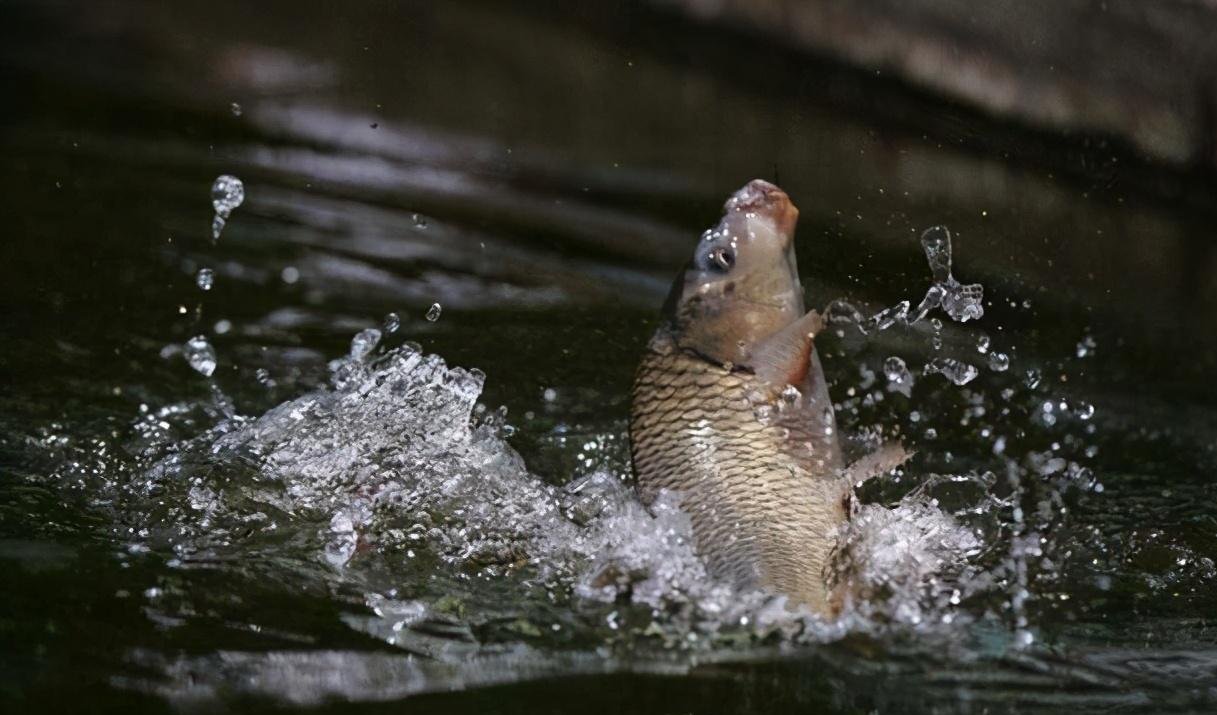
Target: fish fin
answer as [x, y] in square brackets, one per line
[883, 460]
[785, 357]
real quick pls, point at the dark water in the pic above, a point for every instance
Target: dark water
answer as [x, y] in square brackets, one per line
[542, 177]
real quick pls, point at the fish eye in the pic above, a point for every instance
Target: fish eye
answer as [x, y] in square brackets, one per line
[722, 259]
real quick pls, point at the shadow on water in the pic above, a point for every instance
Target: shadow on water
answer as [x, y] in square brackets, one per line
[541, 176]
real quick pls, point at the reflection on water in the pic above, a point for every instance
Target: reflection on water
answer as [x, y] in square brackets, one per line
[292, 528]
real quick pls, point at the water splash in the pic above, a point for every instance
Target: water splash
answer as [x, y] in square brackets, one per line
[227, 193]
[957, 371]
[396, 457]
[961, 302]
[888, 317]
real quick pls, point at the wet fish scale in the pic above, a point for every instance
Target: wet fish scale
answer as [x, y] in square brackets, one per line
[762, 514]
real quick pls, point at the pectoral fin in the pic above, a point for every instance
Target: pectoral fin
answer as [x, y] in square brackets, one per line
[784, 357]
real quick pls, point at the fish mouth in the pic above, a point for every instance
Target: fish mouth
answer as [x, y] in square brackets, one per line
[767, 201]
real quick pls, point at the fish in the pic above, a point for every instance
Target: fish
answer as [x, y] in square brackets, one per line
[731, 411]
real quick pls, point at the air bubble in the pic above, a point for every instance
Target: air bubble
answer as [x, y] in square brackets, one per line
[433, 312]
[999, 362]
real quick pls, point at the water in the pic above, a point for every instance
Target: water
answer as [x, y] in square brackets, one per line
[200, 355]
[339, 515]
[958, 372]
[227, 193]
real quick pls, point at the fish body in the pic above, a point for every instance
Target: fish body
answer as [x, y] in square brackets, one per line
[731, 409]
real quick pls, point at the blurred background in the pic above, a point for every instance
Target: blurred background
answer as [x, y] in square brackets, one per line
[539, 171]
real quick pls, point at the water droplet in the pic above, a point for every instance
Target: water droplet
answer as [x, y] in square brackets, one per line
[763, 413]
[289, 275]
[1086, 346]
[364, 342]
[205, 278]
[263, 376]
[1084, 410]
[932, 299]
[433, 312]
[419, 220]
[935, 323]
[200, 355]
[963, 303]
[391, 323]
[999, 362]
[936, 242]
[791, 394]
[899, 378]
[887, 317]
[235, 109]
[222, 326]
[840, 312]
[549, 394]
[1033, 378]
[982, 344]
[960, 373]
[227, 193]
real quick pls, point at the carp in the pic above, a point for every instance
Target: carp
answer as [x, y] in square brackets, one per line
[730, 409]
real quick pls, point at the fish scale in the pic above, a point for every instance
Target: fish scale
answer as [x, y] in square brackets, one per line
[762, 514]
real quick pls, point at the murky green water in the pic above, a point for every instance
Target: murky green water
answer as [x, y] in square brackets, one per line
[542, 178]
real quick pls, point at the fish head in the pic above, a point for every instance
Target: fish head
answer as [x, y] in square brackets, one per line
[742, 284]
